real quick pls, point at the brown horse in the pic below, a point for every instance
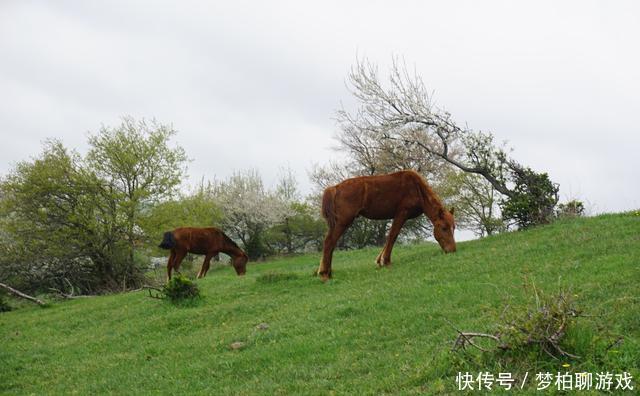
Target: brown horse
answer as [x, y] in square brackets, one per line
[399, 196]
[206, 241]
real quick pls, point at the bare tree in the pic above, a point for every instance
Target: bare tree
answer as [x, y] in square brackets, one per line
[397, 125]
[403, 113]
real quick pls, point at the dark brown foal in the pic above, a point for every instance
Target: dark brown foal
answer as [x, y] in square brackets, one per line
[205, 241]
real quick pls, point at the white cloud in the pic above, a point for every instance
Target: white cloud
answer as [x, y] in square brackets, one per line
[255, 84]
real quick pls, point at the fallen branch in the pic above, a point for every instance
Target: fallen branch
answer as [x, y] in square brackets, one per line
[159, 295]
[22, 295]
[465, 338]
[67, 296]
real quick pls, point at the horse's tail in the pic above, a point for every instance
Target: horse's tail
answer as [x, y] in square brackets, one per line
[168, 241]
[328, 206]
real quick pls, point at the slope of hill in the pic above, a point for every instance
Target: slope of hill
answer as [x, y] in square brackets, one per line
[367, 331]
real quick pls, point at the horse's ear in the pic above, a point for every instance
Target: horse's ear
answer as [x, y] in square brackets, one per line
[452, 210]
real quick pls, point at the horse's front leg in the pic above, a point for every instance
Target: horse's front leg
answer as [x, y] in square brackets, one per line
[379, 261]
[180, 255]
[205, 265]
[330, 241]
[172, 257]
[384, 258]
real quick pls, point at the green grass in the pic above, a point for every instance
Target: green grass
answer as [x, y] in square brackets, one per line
[367, 331]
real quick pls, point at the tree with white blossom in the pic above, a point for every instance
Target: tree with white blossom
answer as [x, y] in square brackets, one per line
[249, 209]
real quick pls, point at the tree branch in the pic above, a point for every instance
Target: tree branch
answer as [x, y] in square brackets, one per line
[22, 295]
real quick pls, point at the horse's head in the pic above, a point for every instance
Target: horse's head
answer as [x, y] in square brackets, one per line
[240, 264]
[443, 228]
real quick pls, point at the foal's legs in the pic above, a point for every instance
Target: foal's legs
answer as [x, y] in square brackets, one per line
[205, 265]
[177, 259]
[384, 258]
[172, 257]
[330, 241]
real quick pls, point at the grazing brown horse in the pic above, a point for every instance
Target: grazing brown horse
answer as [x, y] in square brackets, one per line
[399, 196]
[206, 241]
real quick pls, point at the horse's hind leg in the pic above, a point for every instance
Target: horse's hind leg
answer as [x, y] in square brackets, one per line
[172, 257]
[384, 258]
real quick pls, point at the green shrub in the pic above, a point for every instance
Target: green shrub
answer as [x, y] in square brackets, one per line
[573, 208]
[533, 198]
[180, 288]
[4, 305]
[543, 323]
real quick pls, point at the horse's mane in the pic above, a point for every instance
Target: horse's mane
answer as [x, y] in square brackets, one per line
[430, 196]
[230, 241]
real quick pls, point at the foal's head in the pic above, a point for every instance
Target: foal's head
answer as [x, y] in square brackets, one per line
[240, 264]
[443, 228]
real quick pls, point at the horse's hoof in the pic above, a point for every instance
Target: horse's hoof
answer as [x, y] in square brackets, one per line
[381, 263]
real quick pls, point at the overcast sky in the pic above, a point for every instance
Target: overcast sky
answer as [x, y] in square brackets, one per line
[256, 84]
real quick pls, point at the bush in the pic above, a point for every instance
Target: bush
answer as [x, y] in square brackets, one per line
[180, 288]
[573, 208]
[534, 198]
[68, 219]
[4, 305]
[543, 323]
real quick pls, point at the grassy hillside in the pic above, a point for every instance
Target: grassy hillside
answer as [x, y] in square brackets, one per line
[367, 331]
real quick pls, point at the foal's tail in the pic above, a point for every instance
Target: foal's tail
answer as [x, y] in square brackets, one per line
[168, 241]
[328, 206]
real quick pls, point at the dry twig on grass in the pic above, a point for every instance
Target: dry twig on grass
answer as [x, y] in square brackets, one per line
[465, 338]
[159, 293]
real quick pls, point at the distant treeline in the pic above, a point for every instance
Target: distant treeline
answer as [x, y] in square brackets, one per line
[92, 222]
